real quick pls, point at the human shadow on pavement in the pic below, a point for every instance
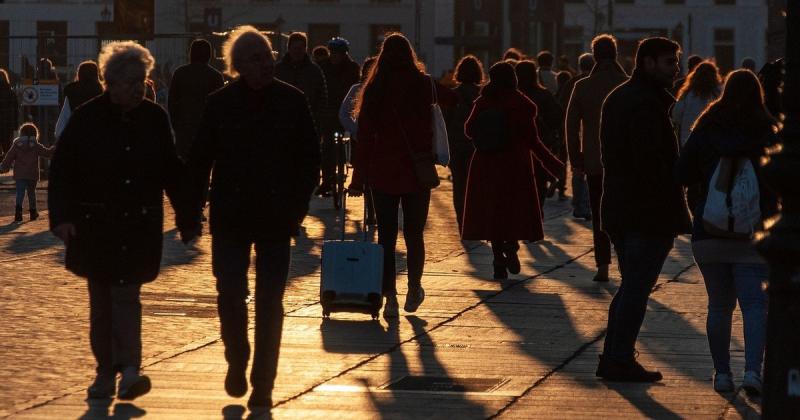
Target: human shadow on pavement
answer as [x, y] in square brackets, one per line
[393, 404]
[175, 252]
[27, 243]
[10, 227]
[639, 396]
[236, 412]
[99, 409]
[346, 336]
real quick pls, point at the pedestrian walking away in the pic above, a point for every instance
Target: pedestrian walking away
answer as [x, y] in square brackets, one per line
[112, 165]
[727, 144]
[191, 83]
[549, 124]
[502, 201]
[583, 136]
[395, 160]
[643, 209]
[9, 112]
[547, 77]
[24, 159]
[470, 78]
[258, 134]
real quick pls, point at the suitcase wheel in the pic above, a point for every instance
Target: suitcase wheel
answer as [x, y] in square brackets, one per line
[326, 314]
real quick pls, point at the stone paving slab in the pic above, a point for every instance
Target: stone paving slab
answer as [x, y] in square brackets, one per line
[536, 335]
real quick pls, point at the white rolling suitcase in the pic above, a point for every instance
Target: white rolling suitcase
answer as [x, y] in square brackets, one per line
[352, 275]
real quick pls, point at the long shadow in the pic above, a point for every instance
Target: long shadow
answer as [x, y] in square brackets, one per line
[175, 252]
[100, 409]
[12, 226]
[395, 405]
[23, 244]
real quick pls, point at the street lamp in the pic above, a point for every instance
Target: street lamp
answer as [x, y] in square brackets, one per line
[781, 246]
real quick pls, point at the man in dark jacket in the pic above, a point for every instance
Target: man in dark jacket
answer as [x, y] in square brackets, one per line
[580, 189]
[583, 136]
[114, 161]
[297, 69]
[643, 208]
[258, 134]
[341, 72]
[191, 83]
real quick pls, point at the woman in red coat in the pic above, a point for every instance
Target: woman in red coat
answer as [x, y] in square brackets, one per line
[502, 203]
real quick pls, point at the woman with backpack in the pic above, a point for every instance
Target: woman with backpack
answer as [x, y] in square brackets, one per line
[394, 159]
[502, 202]
[722, 155]
[469, 75]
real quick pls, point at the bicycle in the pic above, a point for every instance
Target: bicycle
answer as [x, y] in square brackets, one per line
[341, 150]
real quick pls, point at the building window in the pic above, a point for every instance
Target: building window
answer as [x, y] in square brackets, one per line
[321, 33]
[724, 49]
[378, 32]
[51, 41]
[4, 44]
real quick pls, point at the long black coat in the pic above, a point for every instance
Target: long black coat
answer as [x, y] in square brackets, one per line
[107, 177]
[9, 117]
[639, 152]
[190, 85]
[265, 153]
[79, 92]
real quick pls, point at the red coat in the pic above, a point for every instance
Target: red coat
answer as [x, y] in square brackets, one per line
[501, 201]
[385, 133]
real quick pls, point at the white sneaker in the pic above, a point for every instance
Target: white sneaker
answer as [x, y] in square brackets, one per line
[392, 307]
[752, 383]
[723, 382]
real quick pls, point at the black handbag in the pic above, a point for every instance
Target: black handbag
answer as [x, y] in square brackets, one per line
[422, 162]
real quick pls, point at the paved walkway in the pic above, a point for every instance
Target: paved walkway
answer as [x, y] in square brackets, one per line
[477, 348]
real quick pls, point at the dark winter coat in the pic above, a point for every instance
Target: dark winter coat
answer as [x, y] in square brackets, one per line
[338, 80]
[79, 92]
[107, 177]
[639, 150]
[583, 115]
[9, 117]
[190, 85]
[457, 116]
[550, 117]
[701, 155]
[502, 202]
[306, 76]
[566, 91]
[265, 154]
[389, 131]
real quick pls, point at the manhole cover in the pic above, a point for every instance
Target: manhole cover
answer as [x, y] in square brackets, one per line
[445, 384]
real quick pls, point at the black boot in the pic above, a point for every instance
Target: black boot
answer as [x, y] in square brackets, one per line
[18, 214]
[512, 259]
[34, 214]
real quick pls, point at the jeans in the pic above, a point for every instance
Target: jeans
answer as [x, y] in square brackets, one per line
[602, 245]
[26, 186]
[415, 215]
[641, 258]
[725, 284]
[230, 262]
[580, 195]
[115, 325]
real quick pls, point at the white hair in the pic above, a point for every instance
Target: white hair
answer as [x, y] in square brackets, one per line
[116, 57]
[240, 42]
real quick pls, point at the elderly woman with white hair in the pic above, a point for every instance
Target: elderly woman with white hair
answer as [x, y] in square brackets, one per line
[111, 167]
[258, 134]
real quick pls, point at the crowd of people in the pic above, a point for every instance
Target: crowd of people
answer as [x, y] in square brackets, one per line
[644, 167]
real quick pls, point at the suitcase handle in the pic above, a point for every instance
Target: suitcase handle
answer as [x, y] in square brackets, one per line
[343, 215]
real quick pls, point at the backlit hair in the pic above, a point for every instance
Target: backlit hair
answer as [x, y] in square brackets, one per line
[240, 41]
[116, 57]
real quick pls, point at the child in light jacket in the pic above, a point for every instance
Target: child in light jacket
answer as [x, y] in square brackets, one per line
[23, 157]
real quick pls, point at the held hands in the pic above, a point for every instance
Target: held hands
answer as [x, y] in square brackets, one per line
[65, 231]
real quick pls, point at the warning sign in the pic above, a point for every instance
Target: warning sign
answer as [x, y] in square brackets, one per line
[43, 93]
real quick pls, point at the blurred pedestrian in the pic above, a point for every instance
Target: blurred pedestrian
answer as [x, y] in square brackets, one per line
[549, 120]
[513, 54]
[564, 66]
[748, 63]
[341, 73]
[320, 53]
[734, 132]
[583, 136]
[691, 62]
[702, 86]
[502, 203]
[23, 157]
[191, 84]
[547, 77]
[470, 78]
[9, 112]
[109, 172]
[85, 86]
[258, 135]
[643, 208]
[395, 160]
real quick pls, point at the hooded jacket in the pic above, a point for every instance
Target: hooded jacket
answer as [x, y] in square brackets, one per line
[24, 158]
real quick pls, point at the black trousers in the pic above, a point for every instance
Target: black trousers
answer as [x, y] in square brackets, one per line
[230, 261]
[115, 325]
[602, 244]
[415, 215]
[501, 247]
[459, 169]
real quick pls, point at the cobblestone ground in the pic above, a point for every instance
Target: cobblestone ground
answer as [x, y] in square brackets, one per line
[522, 348]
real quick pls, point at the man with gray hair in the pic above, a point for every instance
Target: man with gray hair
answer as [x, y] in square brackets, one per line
[114, 160]
[258, 134]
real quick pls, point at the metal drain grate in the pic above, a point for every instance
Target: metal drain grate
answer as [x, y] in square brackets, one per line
[445, 384]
